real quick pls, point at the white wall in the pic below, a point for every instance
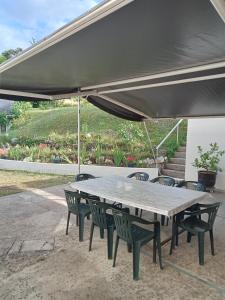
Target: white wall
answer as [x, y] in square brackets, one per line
[70, 169]
[203, 132]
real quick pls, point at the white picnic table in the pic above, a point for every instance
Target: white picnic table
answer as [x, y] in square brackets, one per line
[156, 198]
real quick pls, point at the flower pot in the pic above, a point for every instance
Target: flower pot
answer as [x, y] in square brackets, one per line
[207, 178]
[131, 165]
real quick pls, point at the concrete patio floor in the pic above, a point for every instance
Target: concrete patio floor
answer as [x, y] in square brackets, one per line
[38, 261]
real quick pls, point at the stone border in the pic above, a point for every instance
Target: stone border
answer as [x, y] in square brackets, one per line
[71, 169]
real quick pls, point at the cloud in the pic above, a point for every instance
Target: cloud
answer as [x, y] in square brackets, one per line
[20, 21]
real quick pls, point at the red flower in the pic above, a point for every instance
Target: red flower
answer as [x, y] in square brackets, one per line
[42, 146]
[130, 158]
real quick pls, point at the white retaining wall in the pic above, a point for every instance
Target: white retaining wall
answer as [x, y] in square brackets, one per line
[69, 169]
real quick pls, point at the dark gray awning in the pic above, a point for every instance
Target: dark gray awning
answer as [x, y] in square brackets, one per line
[136, 47]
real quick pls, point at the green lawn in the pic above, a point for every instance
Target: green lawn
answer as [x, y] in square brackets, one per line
[12, 182]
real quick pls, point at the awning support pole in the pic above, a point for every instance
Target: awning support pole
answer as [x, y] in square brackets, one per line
[78, 133]
[150, 142]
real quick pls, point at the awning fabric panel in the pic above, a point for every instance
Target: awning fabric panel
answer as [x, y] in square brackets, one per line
[144, 37]
[204, 98]
[113, 109]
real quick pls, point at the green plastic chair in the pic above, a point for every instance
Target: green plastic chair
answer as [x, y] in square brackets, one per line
[193, 185]
[81, 210]
[164, 180]
[83, 177]
[194, 225]
[136, 236]
[142, 176]
[104, 221]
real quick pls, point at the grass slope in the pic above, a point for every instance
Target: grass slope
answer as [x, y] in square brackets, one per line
[63, 121]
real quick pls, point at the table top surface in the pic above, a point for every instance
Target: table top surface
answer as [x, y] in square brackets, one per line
[161, 199]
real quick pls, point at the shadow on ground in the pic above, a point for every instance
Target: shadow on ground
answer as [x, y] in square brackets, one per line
[38, 261]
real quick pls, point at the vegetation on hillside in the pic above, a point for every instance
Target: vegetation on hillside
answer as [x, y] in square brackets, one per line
[49, 134]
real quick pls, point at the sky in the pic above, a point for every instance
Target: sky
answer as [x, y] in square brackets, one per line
[21, 21]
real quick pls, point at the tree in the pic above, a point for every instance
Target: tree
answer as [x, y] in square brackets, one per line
[11, 52]
[2, 58]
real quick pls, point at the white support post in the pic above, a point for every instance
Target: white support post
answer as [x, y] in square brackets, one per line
[150, 142]
[78, 133]
[178, 135]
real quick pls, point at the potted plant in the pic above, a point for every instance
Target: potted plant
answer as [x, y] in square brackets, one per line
[208, 163]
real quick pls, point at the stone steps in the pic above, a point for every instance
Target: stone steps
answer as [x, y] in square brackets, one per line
[180, 161]
[173, 173]
[180, 154]
[176, 166]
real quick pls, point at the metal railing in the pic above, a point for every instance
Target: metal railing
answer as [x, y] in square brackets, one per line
[176, 127]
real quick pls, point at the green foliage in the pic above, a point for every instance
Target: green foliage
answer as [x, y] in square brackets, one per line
[2, 58]
[20, 112]
[100, 134]
[171, 148]
[11, 52]
[209, 160]
[130, 132]
[3, 119]
[118, 156]
[20, 108]
[42, 154]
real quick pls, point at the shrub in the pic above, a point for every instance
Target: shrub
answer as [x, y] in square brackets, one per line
[3, 119]
[209, 160]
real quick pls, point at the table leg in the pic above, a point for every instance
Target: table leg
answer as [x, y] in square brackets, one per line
[174, 231]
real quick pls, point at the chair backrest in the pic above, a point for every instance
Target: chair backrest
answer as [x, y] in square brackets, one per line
[194, 185]
[83, 176]
[164, 180]
[98, 212]
[72, 199]
[123, 225]
[211, 210]
[139, 176]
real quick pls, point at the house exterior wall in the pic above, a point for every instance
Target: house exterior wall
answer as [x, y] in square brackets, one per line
[203, 132]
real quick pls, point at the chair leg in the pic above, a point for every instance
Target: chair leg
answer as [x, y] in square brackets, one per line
[159, 253]
[77, 220]
[81, 228]
[212, 242]
[115, 251]
[110, 242]
[136, 260]
[189, 236]
[136, 211]
[129, 247]
[102, 233]
[167, 221]
[177, 236]
[68, 221]
[91, 235]
[174, 230]
[201, 237]
[154, 250]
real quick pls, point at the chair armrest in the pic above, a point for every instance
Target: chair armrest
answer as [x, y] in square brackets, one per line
[196, 212]
[142, 221]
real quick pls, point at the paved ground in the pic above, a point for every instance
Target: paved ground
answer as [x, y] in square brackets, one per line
[37, 260]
